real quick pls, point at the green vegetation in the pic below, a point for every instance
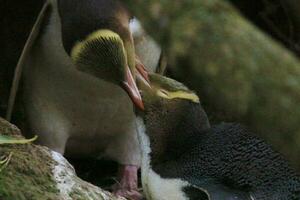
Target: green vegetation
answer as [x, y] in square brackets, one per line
[26, 173]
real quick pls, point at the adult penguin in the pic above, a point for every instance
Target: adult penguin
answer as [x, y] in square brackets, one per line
[184, 158]
[74, 98]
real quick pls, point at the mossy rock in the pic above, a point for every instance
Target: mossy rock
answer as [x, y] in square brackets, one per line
[35, 172]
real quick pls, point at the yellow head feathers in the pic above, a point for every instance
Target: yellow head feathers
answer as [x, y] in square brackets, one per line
[178, 95]
[167, 88]
[103, 34]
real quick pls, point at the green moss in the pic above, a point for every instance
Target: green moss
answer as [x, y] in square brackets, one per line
[8, 129]
[28, 174]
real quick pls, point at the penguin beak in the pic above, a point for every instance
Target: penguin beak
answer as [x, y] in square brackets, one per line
[141, 69]
[141, 80]
[132, 90]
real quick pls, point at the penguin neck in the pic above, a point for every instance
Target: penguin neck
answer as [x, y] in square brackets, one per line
[152, 178]
[167, 137]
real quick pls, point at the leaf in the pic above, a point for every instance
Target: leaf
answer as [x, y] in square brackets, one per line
[11, 140]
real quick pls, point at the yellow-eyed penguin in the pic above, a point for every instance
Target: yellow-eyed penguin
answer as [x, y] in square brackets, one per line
[74, 98]
[186, 159]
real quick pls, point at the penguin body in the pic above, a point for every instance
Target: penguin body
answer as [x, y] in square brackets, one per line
[197, 161]
[72, 112]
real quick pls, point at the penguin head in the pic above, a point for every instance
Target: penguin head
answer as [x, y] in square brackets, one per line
[101, 54]
[164, 89]
[96, 35]
[172, 112]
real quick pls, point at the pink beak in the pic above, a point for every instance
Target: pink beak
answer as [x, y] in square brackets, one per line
[132, 90]
[141, 69]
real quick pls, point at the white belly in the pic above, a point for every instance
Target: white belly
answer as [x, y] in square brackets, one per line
[155, 187]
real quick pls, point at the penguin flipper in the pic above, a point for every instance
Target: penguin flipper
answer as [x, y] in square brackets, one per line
[36, 30]
[196, 193]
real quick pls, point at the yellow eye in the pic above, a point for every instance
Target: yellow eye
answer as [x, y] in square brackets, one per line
[163, 94]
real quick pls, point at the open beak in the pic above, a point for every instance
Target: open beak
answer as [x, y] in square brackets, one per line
[141, 69]
[141, 80]
[132, 90]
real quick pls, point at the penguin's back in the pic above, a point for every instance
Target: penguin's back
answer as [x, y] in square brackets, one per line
[236, 158]
[229, 159]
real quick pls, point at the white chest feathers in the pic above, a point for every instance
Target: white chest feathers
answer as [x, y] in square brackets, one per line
[155, 187]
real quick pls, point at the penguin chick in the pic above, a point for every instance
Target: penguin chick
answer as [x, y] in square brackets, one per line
[77, 62]
[184, 158]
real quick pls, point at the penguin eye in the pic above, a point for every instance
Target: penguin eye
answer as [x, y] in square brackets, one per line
[163, 93]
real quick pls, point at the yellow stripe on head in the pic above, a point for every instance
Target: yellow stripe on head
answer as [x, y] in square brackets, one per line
[104, 34]
[178, 95]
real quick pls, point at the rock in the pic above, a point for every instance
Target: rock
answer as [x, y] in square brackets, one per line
[35, 172]
[7, 128]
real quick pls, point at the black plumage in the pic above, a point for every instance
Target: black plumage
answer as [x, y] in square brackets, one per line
[229, 155]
